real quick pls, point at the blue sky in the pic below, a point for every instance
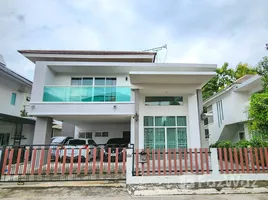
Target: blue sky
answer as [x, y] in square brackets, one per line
[196, 31]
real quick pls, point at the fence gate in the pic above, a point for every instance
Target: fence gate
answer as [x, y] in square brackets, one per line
[61, 163]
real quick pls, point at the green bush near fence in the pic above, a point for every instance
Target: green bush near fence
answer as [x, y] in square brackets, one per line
[254, 142]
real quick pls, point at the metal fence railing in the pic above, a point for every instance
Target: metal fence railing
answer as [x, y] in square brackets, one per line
[59, 163]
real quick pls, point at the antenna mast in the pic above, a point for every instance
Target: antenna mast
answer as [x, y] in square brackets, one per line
[156, 49]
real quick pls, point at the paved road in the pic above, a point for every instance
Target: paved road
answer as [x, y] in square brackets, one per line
[97, 193]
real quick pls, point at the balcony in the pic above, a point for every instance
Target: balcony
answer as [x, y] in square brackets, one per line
[86, 94]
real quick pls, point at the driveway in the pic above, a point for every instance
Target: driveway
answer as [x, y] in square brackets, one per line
[97, 193]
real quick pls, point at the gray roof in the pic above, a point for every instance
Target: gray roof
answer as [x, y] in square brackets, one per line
[13, 74]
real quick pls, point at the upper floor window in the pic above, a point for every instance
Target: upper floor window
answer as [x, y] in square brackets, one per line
[164, 101]
[97, 81]
[219, 112]
[13, 99]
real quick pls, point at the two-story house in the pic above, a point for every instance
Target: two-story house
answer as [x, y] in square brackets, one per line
[228, 111]
[15, 92]
[118, 94]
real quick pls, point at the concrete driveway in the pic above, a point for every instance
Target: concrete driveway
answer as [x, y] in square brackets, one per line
[97, 193]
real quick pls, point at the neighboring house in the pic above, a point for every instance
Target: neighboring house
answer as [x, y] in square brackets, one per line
[229, 108]
[15, 92]
[118, 94]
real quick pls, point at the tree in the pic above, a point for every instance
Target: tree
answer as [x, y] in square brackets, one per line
[258, 110]
[258, 114]
[262, 69]
[226, 76]
[243, 69]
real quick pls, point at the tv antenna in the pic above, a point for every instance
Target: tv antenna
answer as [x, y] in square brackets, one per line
[156, 49]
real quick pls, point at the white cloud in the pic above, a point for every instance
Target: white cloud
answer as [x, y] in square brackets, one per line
[204, 31]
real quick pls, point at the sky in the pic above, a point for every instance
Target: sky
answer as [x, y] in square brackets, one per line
[195, 31]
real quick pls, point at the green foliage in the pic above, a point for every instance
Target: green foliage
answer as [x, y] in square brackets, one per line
[243, 69]
[254, 142]
[222, 144]
[262, 69]
[225, 76]
[23, 113]
[242, 144]
[258, 113]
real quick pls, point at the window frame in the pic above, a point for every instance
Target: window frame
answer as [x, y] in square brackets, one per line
[94, 81]
[180, 103]
[177, 127]
[85, 134]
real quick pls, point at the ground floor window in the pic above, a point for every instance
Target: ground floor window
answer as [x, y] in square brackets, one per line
[85, 135]
[165, 132]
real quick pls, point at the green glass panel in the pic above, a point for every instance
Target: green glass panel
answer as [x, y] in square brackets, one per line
[170, 121]
[86, 94]
[99, 94]
[54, 94]
[181, 121]
[110, 93]
[159, 138]
[148, 121]
[182, 137]
[123, 94]
[171, 138]
[75, 94]
[149, 138]
[159, 121]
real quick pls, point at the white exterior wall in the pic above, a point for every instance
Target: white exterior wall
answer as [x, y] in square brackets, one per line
[5, 105]
[43, 75]
[114, 131]
[234, 111]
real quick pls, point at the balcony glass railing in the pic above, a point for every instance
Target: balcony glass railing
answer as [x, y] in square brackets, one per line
[86, 94]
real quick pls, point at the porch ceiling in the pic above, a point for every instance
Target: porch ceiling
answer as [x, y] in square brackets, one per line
[96, 119]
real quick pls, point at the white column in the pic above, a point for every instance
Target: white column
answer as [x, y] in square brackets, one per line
[201, 122]
[136, 121]
[42, 76]
[193, 122]
[129, 166]
[214, 161]
[43, 130]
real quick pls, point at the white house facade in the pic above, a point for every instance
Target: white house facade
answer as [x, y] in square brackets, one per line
[15, 92]
[228, 111]
[118, 94]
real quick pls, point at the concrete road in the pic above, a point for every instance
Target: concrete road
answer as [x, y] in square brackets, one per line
[108, 193]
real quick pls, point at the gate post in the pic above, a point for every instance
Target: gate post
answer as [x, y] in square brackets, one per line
[2, 155]
[214, 161]
[129, 165]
